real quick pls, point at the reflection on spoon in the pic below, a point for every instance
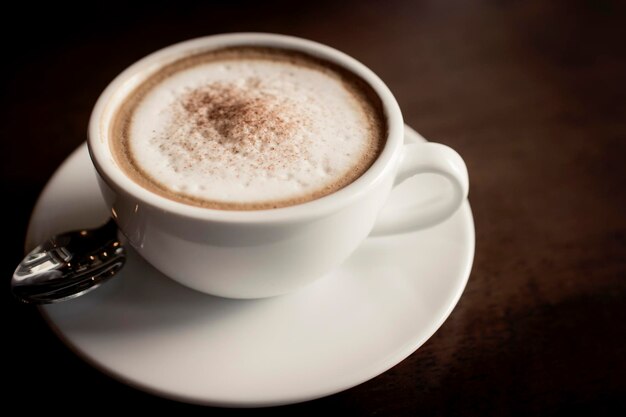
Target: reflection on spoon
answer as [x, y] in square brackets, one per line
[69, 265]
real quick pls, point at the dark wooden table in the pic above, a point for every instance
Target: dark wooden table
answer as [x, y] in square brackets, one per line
[531, 93]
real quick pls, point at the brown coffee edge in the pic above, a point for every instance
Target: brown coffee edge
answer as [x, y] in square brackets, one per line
[359, 89]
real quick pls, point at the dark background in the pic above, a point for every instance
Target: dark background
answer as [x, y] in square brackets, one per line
[531, 93]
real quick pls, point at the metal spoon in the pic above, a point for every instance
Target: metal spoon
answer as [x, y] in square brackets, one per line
[69, 265]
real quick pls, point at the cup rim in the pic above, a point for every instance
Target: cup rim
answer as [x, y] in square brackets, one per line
[114, 177]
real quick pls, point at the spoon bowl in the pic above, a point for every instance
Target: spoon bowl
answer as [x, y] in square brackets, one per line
[69, 265]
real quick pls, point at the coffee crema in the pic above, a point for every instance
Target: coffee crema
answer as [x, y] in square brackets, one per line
[248, 128]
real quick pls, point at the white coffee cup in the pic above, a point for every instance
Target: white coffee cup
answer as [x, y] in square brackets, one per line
[262, 253]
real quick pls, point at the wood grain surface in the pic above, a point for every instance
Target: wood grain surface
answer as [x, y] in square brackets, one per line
[531, 93]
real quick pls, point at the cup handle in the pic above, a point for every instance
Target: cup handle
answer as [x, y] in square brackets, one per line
[422, 158]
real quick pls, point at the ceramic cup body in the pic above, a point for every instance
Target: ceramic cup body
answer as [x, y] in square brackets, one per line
[262, 253]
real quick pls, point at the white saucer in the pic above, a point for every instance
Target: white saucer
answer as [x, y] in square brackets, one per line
[348, 327]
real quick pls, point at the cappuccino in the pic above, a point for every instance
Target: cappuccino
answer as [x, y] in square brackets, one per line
[248, 128]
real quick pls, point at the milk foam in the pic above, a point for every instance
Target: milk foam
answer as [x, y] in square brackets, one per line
[251, 131]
